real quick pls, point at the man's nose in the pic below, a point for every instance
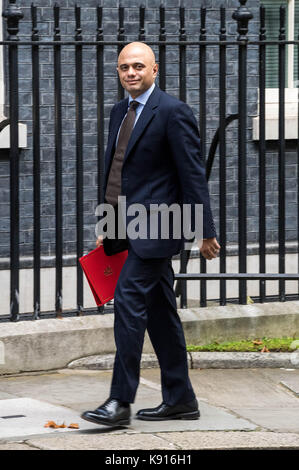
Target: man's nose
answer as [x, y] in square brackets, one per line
[131, 71]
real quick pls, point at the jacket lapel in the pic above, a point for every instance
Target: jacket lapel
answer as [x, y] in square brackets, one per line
[119, 115]
[144, 119]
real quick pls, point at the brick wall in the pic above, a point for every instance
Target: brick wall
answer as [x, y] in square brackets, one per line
[110, 23]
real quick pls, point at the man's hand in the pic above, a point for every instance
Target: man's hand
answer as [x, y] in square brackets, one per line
[99, 240]
[209, 247]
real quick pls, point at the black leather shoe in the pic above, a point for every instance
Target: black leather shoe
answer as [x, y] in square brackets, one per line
[112, 413]
[162, 412]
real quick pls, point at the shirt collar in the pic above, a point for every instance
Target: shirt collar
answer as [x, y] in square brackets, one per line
[142, 99]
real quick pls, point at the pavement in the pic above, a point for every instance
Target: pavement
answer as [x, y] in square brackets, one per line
[253, 408]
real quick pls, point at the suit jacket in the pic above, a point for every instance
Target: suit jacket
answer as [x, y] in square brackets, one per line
[162, 164]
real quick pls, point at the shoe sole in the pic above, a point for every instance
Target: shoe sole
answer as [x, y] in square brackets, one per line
[191, 415]
[122, 422]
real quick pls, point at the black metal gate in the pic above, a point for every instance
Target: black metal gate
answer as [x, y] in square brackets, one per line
[242, 16]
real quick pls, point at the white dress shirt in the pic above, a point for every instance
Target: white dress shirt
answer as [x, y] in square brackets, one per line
[141, 99]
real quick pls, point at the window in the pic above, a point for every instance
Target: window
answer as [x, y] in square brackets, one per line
[272, 20]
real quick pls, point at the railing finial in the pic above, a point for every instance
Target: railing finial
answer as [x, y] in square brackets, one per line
[13, 15]
[242, 15]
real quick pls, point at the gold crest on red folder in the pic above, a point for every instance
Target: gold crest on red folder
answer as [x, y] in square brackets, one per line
[108, 271]
[102, 272]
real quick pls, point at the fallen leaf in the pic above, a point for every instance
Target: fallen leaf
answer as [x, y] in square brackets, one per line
[74, 426]
[257, 342]
[52, 424]
[265, 349]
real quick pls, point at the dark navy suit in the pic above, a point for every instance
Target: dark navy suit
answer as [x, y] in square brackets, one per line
[162, 164]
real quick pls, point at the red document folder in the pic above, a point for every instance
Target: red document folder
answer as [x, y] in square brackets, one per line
[102, 272]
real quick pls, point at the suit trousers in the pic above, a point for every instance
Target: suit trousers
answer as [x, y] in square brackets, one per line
[144, 299]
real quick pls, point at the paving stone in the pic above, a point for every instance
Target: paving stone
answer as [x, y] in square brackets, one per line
[15, 446]
[273, 418]
[211, 418]
[229, 400]
[21, 417]
[233, 440]
[292, 383]
[243, 389]
[4, 395]
[63, 388]
[100, 441]
[212, 440]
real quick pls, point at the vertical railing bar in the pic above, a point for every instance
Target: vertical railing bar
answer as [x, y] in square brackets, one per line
[182, 56]
[58, 161]
[13, 15]
[298, 154]
[100, 104]
[100, 111]
[120, 37]
[141, 36]
[36, 164]
[162, 49]
[262, 155]
[242, 176]
[79, 158]
[202, 127]
[281, 154]
[222, 152]
[182, 94]
[242, 15]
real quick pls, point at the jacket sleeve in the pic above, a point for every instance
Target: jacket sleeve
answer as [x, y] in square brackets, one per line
[184, 141]
[100, 217]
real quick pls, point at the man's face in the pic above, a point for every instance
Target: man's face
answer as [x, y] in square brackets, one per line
[137, 70]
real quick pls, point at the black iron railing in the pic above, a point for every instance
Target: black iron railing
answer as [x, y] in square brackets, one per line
[242, 16]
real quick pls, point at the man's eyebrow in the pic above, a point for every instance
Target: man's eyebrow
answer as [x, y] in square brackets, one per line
[135, 63]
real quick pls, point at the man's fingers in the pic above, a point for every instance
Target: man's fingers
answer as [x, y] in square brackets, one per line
[99, 241]
[210, 249]
[211, 255]
[209, 245]
[214, 248]
[207, 254]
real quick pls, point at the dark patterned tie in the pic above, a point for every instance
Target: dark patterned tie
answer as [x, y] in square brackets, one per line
[113, 189]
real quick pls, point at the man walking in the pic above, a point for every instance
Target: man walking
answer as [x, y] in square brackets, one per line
[152, 156]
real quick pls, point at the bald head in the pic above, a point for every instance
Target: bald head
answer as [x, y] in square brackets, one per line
[137, 48]
[137, 68]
